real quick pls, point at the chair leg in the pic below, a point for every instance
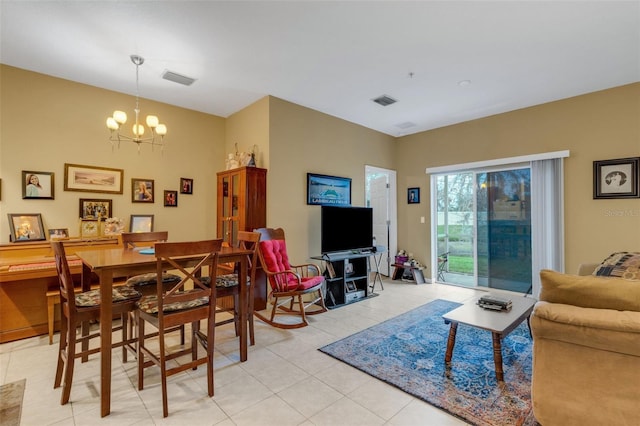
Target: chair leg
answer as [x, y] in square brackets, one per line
[211, 330]
[68, 368]
[163, 375]
[140, 352]
[252, 339]
[302, 314]
[51, 315]
[125, 324]
[61, 351]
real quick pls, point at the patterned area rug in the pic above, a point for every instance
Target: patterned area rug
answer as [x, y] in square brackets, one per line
[11, 403]
[408, 352]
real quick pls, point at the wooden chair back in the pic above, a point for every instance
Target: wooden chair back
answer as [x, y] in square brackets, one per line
[129, 239]
[67, 291]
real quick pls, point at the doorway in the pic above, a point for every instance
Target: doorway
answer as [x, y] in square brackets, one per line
[381, 195]
[483, 228]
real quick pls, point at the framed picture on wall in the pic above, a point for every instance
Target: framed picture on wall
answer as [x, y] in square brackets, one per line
[186, 186]
[171, 198]
[413, 196]
[37, 185]
[92, 179]
[95, 208]
[328, 190]
[142, 190]
[616, 178]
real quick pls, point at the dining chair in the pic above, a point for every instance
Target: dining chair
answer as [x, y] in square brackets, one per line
[187, 302]
[289, 283]
[78, 309]
[227, 285]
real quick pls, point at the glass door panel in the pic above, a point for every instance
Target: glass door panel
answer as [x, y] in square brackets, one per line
[455, 229]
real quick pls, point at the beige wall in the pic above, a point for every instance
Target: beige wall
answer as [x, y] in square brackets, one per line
[597, 126]
[302, 140]
[47, 122]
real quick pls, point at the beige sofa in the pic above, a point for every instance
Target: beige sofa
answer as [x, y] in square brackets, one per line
[586, 351]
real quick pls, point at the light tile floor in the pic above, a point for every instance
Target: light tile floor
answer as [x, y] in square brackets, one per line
[286, 380]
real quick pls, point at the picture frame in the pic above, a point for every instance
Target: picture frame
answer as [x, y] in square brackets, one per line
[328, 190]
[89, 228]
[186, 186]
[25, 227]
[92, 208]
[616, 178]
[58, 234]
[82, 178]
[170, 198]
[141, 223]
[142, 190]
[413, 196]
[37, 185]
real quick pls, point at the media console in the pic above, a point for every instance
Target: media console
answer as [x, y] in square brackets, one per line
[347, 275]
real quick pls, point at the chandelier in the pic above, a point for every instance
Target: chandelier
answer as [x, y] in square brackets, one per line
[115, 122]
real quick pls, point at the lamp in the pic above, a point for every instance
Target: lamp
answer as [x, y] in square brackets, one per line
[115, 122]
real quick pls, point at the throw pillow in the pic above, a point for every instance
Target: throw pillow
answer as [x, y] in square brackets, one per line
[621, 264]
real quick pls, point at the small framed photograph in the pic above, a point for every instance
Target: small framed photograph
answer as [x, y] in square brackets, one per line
[170, 198]
[186, 186]
[95, 208]
[328, 190]
[92, 179]
[616, 178]
[141, 190]
[89, 228]
[37, 185]
[141, 223]
[26, 227]
[58, 234]
[413, 196]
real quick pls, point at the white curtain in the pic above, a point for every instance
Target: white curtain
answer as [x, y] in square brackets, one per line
[547, 218]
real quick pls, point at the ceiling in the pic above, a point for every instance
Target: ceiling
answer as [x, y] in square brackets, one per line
[334, 56]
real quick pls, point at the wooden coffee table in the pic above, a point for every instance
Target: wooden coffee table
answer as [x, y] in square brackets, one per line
[499, 323]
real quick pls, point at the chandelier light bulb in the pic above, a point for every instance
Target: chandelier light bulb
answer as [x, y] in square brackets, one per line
[138, 130]
[120, 116]
[112, 124]
[152, 121]
[161, 129]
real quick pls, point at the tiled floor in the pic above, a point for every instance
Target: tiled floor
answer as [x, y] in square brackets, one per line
[286, 380]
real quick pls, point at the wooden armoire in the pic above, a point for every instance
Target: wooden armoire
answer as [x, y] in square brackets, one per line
[242, 206]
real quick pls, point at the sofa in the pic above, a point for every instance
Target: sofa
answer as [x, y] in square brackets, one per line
[586, 350]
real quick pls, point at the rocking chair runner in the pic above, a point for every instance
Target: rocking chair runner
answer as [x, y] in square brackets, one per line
[289, 283]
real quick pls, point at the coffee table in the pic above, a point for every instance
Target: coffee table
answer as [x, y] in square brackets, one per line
[499, 323]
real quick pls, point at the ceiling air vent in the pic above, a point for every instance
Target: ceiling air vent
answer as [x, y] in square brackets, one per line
[178, 78]
[384, 100]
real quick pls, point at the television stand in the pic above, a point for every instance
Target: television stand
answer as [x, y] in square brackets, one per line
[347, 275]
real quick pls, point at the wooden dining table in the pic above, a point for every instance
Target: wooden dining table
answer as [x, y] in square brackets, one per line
[126, 262]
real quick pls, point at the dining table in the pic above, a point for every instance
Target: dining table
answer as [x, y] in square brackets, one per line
[110, 263]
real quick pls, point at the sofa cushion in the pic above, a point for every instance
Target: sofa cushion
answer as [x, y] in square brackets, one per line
[621, 264]
[590, 291]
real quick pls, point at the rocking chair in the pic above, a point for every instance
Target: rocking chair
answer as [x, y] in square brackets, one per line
[289, 283]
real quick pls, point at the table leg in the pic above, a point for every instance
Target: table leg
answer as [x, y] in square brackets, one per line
[84, 327]
[497, 356]
[106, 318]
[451, 342]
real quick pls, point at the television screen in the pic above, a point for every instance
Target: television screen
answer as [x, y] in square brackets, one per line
[346, 228]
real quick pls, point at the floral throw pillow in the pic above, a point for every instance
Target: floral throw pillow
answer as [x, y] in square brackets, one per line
[621, 264]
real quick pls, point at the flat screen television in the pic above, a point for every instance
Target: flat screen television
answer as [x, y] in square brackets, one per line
[346, 229]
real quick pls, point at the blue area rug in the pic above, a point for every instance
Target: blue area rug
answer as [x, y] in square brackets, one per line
[408, 352]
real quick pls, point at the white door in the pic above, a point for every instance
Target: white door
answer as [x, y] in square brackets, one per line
[381, 195]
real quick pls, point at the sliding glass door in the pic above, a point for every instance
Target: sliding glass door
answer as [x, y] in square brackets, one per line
[484, 228]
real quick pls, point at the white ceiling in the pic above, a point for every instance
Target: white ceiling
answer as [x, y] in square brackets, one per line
[335, 56]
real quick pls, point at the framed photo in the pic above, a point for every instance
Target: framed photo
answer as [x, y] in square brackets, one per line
[170, 198]
[616, 178]
[142, 190]
[89, 228]
[186, 186]
[58, 234]
[26, 227]
[92, 179]
[37, 185]
[413, 195]
[141, 223]
[328, 190]
[95, 209]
